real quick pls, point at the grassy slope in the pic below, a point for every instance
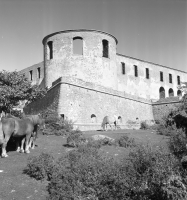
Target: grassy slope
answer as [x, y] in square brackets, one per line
[17, 186]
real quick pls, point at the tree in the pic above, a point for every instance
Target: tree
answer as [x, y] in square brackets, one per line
[15, 87]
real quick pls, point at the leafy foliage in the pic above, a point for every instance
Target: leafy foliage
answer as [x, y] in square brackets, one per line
[177, 143]
[76, 138]
[125, 141]
[15, 87]
[40, 167]
[58, 126]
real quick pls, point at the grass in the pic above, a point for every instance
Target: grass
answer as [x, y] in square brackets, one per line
[18, 186]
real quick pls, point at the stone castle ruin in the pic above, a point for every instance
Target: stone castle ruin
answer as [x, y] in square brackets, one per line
[87, 80]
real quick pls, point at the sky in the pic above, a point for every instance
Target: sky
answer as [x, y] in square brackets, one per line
[150, 30]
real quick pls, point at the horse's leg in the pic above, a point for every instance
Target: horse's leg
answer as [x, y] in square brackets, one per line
[4, 153]
[35, 134]
[31, 142]
[18, 145]
[22, 145]
[27, 138]
[110, 126]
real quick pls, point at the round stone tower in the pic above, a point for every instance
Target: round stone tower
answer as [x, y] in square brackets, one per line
[89, 55]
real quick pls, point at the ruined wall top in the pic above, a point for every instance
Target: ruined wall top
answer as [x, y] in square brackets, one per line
[77, 30]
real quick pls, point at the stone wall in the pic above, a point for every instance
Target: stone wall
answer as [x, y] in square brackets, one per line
[163, 107]
[48, 104]
[146, 87]
[78, 100]
[34, 69]
[91, 66]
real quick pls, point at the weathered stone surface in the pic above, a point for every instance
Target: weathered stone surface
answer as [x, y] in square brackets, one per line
[87, 84]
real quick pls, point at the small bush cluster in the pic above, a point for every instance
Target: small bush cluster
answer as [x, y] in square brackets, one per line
[144, 125]
[76, 138]
[177, 143]
[162, 129]
[125, 141]
[58, 126]
[40, 167]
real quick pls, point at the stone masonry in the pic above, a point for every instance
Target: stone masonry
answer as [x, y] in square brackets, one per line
[97, 81]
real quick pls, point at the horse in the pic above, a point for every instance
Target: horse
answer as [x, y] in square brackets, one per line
[11, 126]
[38, 122]
[110, 120]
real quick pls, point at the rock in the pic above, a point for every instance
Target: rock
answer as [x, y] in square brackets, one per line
[102, 137]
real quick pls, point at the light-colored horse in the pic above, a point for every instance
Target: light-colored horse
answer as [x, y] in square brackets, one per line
[112, 121]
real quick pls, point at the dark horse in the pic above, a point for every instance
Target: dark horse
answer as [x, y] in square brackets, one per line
[15, 127]
[38, 122]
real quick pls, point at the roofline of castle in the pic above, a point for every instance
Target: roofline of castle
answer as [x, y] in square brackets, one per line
[78, 30]
[150, 62]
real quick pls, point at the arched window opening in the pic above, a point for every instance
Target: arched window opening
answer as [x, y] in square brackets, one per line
[62, 116]
[93, 118]
[119, 119]
[105, 48]
[171, 92]
[179, 93]
[162, 93]
[78, 45]
[50, 50]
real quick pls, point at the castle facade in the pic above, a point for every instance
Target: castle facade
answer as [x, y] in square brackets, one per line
[87, 79]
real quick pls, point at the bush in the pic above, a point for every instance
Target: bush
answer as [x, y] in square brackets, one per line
[156, 173]
[85, 173]
[125, 141]
[177, 143]
[40, 167]
[58, 126]
[76, 138]
[162, 129]
[144, 125]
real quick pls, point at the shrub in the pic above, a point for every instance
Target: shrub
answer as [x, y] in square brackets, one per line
[85, 173]
[156, 173]
[40, 167]
[144, 125]
[76, 138]
[177, 143]
[162, 129]
[58, 126]
[125, 141]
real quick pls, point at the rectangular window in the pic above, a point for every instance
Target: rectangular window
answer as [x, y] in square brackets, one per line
[170, 78]
[123, 67]
[178, 80]
[38, 72]
[30, 75]
[105, 48]
[147, 73]
[135, 71]
[50, 49]
[161, 76]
